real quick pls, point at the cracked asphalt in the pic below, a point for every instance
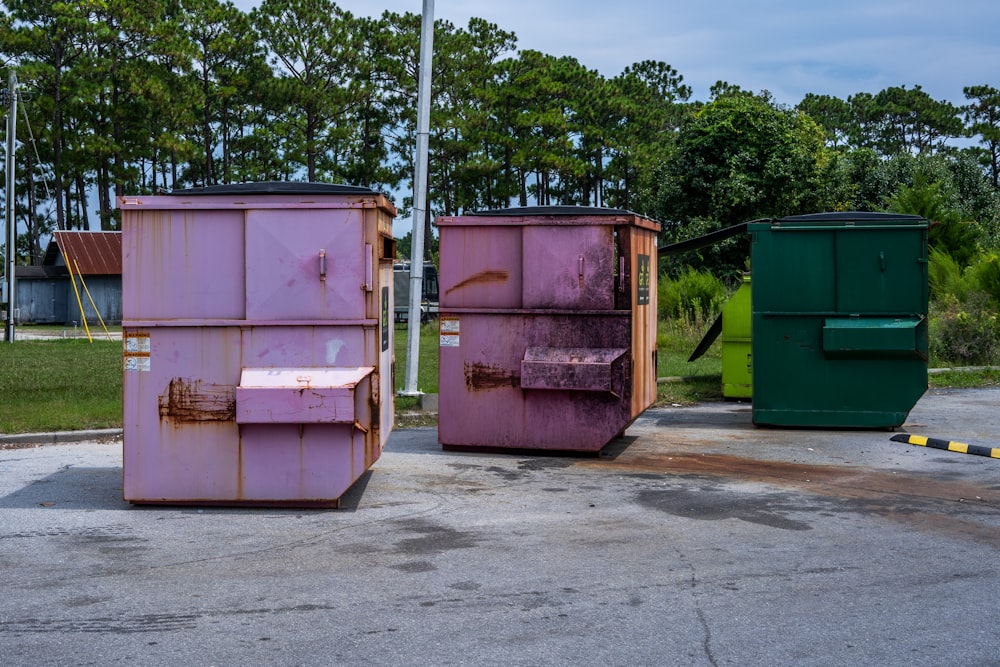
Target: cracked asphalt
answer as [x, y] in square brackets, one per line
[697, 539]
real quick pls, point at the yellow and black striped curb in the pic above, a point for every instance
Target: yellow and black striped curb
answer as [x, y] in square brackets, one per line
[950, 445]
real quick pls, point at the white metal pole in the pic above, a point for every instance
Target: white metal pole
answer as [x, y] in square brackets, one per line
[11, 226]
[419, 198]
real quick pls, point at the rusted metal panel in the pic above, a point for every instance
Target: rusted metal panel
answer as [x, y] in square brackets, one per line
[642, 267]
[191, 400]
[226, 306]
[482, 402]
[581, 369]
[91, 253]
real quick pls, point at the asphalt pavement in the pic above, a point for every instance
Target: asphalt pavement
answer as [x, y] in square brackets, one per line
[697, 539]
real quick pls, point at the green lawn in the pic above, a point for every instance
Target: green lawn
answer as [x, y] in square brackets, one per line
[60, 385]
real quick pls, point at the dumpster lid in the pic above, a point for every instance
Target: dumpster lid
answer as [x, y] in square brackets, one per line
[304, 378]
[850, 216]
[552, 210]
[277, 188]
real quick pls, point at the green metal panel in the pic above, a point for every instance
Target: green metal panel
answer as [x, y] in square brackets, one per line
[839, 308]
[737, 368]
[875, 337]
[806, 259]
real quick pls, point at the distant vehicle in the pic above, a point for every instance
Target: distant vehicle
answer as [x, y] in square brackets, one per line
[401, 287]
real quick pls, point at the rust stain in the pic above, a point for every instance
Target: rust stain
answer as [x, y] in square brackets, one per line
[924, 503]
[483, 277]
[480, 377]
[190, 400]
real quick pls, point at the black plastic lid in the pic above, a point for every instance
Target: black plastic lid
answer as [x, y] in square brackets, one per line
[277, 188]
[849, 216]
[552, 210]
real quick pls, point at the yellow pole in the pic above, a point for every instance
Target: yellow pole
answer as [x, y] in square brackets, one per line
[87, 290]
[76, 291]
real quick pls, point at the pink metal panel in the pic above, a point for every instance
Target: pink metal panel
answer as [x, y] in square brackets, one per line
[311, 464]
[299, 395]
[482, 269]
[177, 265]
[305, 264]
[278, 346]
[569, 267]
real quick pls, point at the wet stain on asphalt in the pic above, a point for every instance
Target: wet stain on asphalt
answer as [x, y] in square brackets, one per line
[711, 503]
[432, 538]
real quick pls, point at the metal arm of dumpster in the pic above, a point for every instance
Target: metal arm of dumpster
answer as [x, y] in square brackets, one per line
[708, 239]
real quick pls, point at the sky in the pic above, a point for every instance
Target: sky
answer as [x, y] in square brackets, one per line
[787, 47]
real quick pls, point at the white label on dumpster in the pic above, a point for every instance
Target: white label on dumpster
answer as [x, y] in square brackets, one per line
[137, 364]
[450, 330]
[136, 350]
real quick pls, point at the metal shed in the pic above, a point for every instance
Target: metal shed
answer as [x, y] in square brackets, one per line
[45, 294]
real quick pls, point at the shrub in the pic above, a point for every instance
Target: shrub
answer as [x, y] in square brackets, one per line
[694, 296]
[985, 275]
[946, 276]
[965, 332]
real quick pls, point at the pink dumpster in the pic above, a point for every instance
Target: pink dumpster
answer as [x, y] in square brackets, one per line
[258, 342]
[547, 327]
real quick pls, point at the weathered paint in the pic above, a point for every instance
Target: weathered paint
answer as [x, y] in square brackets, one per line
[225, 290]
[546, 343]
[190, 400]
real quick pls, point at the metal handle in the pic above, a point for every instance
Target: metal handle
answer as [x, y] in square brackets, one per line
[322, 263]
[369, 267]
[580, 270]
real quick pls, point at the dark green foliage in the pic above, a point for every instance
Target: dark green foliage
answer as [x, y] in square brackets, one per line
[739, 158]
[964, 329]
[985, 275]
[965, 333]
[948, 232]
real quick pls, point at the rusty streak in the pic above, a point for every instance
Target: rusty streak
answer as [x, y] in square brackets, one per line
[931, 505]
[190, 400]
[483, 277]
[479, 377]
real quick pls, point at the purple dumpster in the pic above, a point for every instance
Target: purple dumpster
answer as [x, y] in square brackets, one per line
[547, 327]
[258, 342]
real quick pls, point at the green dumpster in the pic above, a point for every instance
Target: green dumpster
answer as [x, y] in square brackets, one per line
[737, 370]
[839, 317]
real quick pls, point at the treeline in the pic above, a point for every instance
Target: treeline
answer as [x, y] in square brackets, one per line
[125, 98]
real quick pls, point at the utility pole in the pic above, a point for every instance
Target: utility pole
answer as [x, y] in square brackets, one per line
[419, 199]
[11, 225]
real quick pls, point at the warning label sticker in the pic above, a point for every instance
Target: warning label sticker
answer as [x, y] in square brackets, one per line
[450, 330]
[136, 350]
